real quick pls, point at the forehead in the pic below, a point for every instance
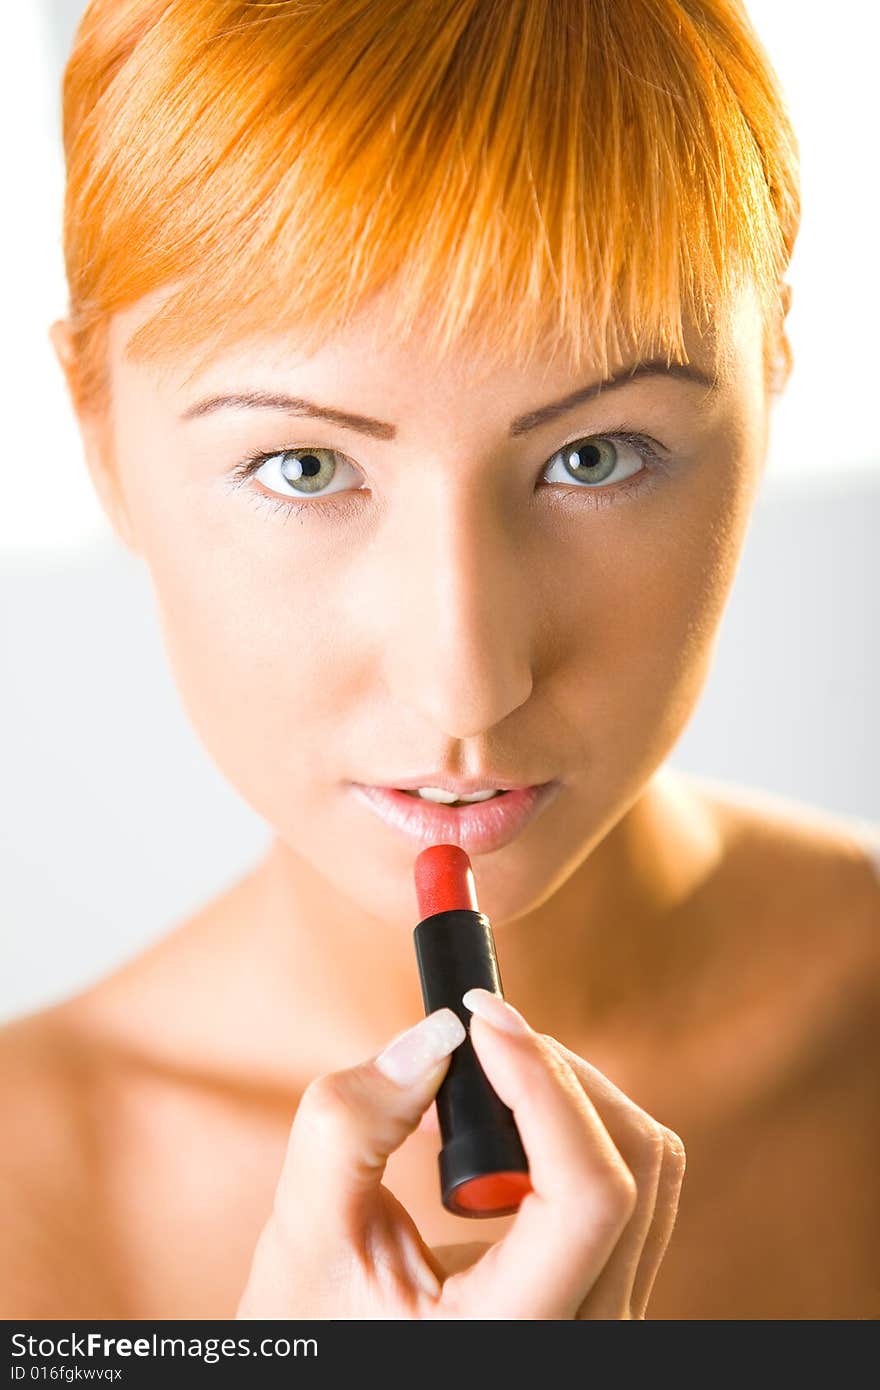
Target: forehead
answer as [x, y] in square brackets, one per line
[366, 351]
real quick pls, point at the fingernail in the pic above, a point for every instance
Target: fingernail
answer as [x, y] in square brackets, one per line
[495, 1010]
[412, 1054]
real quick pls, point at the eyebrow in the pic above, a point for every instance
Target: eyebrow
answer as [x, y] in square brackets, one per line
[380, 429]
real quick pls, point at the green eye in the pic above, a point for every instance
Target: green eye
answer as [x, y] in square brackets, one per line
[597, 459]
[590, 462]
[307, 470]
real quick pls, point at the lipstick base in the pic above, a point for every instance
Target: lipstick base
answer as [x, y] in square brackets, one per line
[496, 1194]
[477, 1176]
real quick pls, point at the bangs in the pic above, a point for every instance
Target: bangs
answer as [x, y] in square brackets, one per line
[592, 173]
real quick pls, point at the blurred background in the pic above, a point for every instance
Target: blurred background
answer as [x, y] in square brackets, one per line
[113, 822]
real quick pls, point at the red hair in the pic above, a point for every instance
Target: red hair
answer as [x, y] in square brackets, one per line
[589, 169]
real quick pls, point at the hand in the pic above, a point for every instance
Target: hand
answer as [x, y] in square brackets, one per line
[586, 1242]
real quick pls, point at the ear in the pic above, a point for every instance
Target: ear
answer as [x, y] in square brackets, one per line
[781, 355]
[96, 434]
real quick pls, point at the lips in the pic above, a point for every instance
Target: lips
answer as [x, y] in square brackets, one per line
[479, 828]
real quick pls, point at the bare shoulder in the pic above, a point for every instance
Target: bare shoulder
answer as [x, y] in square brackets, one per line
[794, 847]
[52, 1231]
[803, 880]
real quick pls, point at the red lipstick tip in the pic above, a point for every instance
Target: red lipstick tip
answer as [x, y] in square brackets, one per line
[444, 880]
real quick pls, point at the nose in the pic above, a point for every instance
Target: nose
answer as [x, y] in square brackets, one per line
[457, 645]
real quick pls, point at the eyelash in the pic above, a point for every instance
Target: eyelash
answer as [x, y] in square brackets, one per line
[601, 495]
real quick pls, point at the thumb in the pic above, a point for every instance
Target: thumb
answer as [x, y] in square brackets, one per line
[348, 1123]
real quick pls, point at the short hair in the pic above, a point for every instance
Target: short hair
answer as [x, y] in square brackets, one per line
[588, 171]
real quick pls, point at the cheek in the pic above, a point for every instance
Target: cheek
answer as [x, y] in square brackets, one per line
[254, 630]
[659, 577]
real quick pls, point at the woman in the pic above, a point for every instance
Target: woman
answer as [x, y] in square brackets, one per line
[425, 353]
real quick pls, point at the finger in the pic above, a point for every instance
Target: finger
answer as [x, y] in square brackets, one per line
[349, 1122]
[665, 1213]
[612, 1294]
[429, 1123]
[655, 1156]
[583, 1194]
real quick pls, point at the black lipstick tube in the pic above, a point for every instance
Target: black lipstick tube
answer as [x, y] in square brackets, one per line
[483, 1165]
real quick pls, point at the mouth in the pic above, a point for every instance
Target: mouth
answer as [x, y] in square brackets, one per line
[477, 827]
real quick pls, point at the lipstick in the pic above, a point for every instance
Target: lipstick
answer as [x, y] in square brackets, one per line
[483, 1166]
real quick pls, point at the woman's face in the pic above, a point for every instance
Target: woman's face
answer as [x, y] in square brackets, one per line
[443, 591]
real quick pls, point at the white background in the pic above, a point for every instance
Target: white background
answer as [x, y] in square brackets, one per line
[114, 824]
